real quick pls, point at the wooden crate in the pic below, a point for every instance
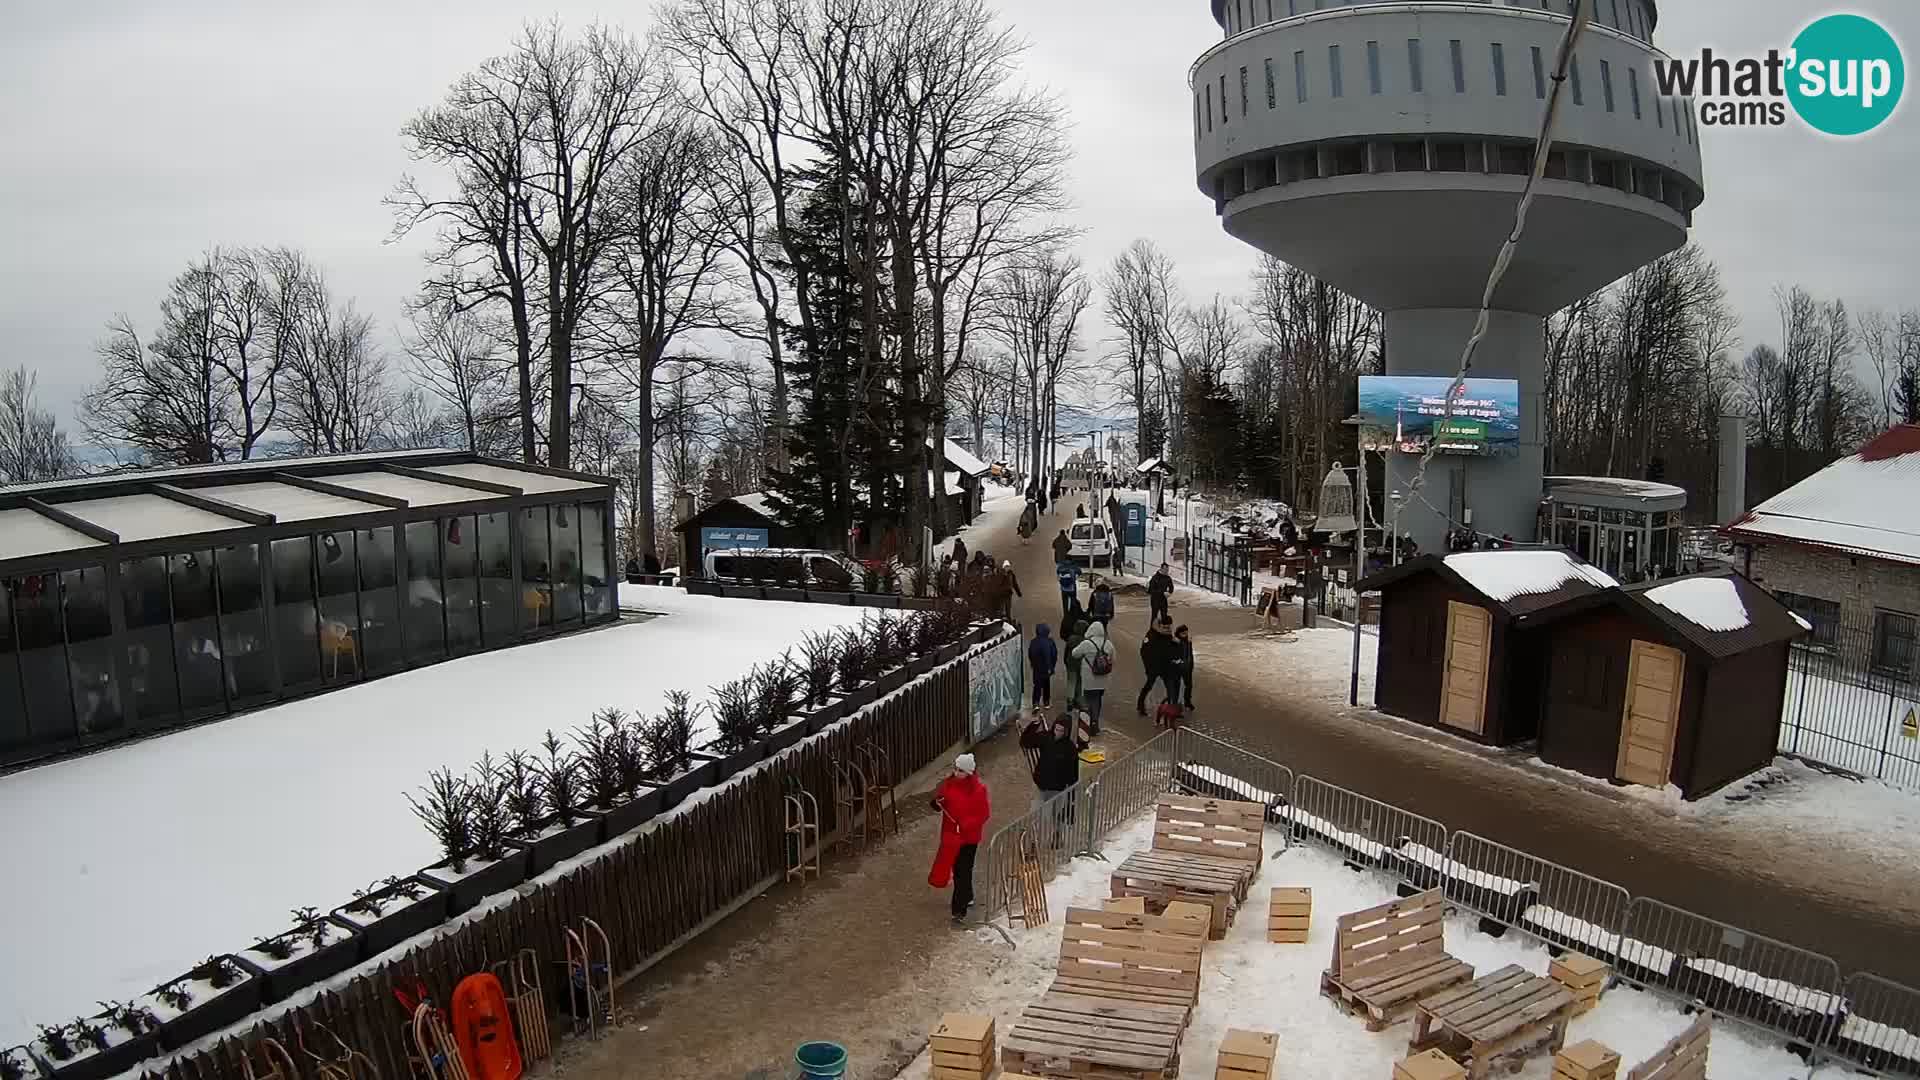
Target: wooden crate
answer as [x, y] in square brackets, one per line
[1198, 918]
[1429, 1065]
[1125, 905]
[1289, 915]
[1583, 976]
[1586, 1061]
[1246, 1055]
[963, 1047]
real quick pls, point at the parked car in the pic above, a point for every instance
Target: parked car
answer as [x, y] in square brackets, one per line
[1090, 540]
[808, 567]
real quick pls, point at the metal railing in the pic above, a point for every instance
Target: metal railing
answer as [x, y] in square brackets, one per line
[1867, 1021]
[1848, 694]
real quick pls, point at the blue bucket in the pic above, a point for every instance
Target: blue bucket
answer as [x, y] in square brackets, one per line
[821, 1060]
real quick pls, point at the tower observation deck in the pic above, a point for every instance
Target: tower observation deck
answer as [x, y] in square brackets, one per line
[1382, 146]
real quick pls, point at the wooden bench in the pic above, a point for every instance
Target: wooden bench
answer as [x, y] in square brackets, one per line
[1123, 957]
[1217, 832]
[1507, 1013]
[1387, 958]
[1071, 1035]
[1685, 1058]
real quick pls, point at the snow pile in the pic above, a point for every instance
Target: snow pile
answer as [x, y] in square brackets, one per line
[1711, 602]
[1503, 575]
[1247, 982]
[229, 826]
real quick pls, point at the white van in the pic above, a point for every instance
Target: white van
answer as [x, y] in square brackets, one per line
[1090, 541]
[801, 567]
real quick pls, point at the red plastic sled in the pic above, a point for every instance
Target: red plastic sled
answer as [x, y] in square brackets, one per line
[941, 875]
[483, 1029]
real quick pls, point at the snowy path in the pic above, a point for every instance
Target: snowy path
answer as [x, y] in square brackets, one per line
[1248, 983]
[142, 859]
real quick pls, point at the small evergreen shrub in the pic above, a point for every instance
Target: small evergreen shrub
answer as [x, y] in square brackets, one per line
[445, 807]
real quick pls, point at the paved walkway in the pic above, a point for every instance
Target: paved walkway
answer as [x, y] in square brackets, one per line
[867, 957]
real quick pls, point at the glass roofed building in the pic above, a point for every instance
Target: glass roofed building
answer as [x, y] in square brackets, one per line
[140, 601]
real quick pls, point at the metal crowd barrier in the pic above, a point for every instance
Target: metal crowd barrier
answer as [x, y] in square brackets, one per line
[1779, 989]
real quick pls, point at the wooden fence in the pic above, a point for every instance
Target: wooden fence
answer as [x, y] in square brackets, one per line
[654, 888]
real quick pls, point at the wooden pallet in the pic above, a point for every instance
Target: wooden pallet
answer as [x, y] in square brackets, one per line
[1387, 958]
[1129, 957]
[1507, 1013]
[1161, 879]
[1125, 905]
[1685, 1058]
[1224, 832]
[1587, 1060]
[1246, 1055]
[1095, 1039]
[1289, 915]
[962, 1047]
[1583, 976]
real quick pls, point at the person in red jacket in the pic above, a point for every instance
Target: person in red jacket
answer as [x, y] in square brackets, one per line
[964, 808]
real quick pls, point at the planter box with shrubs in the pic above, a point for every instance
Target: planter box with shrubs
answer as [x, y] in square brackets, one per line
[98, 1046]
[389, 912]
[216, 994]
[317, 947]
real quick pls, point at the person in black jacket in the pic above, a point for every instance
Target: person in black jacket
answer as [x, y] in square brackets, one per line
[1184, 641]
[1159, 590]
[1160, 655]
[1056, 765]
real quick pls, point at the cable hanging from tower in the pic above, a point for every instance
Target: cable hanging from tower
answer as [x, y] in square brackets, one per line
[1543, 144]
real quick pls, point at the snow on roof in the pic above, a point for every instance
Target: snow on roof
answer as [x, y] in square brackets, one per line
[148, 517]
[525, 479]
[417, 492]
[24, 533]
[958, 456]
[225, 468]
[758, 502]
[1151, 464]
[288, 503]
[1618, 486]
[1711, 602]
[1503, 575]
[1862, 505]
[953, 483]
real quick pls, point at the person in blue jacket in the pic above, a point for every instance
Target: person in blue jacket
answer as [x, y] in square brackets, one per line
[1043, 654]
[1069, 574]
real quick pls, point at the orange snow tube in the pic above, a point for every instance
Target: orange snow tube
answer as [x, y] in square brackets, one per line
[483, 1029]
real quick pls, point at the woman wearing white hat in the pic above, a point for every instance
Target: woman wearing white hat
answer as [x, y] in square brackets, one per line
[964, 809]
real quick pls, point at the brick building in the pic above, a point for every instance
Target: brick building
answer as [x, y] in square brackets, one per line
[1842, 548]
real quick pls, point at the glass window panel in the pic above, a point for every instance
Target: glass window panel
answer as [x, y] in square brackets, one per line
[196, 633]
[536, 569]
[296, 617]
[1459, 66]
[1333, 69]
[593, 558]
[499, 608]
[379, 611]
[465, 551]
[96, 693]
[1539, 74]
[566, 563]
[243, 623]
[341, 641]
[1300, 76]
[151, 687]
[13, 708]
[1573, 75]
[426, 605]
[1499, 69]
[43, 658]
[1373, 67]
[1268, 65]
[1413, 65]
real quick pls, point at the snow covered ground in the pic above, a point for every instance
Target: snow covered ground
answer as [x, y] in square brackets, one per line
[1318, 661]
[1248, 983]
[128, 866]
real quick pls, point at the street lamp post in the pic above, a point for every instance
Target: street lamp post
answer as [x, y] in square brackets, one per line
[1359, 553]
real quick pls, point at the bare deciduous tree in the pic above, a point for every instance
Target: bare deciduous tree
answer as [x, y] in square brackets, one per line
[32, 446]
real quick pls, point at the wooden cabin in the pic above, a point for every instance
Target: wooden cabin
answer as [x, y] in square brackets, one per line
[1456, 649]
[1677, 682]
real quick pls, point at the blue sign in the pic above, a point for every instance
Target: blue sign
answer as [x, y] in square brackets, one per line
[1136, 533]
[717, 538]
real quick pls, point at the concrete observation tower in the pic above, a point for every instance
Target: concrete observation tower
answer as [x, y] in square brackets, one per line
[1382, 146]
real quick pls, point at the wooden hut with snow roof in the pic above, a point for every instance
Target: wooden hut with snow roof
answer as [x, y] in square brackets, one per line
[1669, 682]
[1457, 648]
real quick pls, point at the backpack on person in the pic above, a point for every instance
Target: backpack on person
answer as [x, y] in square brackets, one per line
[1102, 661]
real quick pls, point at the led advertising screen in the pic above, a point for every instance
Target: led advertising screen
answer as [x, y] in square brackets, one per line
[1407, 412]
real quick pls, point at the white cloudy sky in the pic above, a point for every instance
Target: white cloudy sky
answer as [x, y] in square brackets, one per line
[138, 133]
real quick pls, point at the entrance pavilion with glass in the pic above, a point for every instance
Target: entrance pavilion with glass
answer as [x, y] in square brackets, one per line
[142, 601]
[1629, 528]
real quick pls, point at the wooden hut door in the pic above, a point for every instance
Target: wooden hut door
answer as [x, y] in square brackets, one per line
[1463, 687]
[1655, 675]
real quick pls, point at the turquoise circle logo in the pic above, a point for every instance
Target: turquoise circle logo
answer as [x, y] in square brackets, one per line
[1847, 75]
